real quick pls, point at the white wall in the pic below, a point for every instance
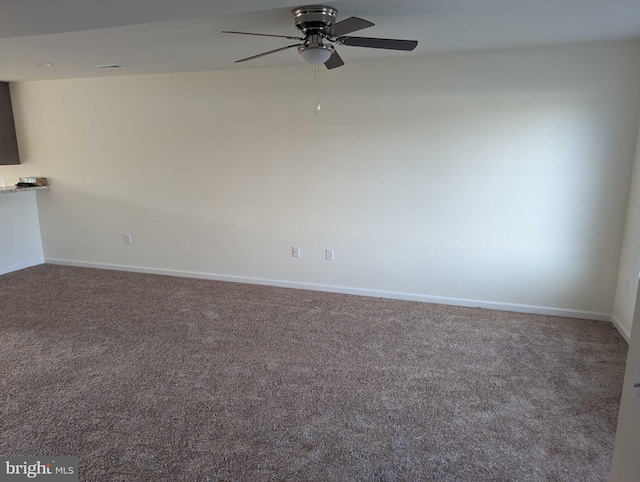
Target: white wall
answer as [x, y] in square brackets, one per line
[20, 244]
[627, 286]
[498, 176]
[625, 466]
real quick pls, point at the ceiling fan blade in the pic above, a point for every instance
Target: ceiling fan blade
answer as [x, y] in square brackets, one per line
[267, 53]
[263, 35]
[348, 25]
[378, 43]
[334, 61]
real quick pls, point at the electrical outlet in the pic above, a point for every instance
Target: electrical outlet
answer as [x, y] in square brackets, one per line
[127, 239]
[3, 182]
[295, 251]
[328, 254]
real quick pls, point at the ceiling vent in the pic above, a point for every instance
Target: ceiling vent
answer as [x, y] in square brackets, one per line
[109, 66]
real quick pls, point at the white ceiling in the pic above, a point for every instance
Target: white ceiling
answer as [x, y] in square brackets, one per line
[155, 36]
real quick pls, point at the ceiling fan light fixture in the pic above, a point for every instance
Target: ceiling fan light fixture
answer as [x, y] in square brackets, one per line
[316, 53]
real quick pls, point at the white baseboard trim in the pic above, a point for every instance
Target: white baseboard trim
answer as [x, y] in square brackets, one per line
[16, 267]
[624, 331]
[491, 305]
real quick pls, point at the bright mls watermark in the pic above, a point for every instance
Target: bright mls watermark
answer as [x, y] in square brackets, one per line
[51, 469]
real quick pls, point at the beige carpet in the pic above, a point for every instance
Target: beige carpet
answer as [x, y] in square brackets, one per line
[166, 379]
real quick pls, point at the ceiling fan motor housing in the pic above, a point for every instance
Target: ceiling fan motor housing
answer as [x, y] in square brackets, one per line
[314, 18]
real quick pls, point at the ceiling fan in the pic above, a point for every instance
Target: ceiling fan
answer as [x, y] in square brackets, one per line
[317, 23]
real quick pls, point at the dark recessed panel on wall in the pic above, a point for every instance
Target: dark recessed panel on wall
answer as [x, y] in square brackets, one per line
[8, 141]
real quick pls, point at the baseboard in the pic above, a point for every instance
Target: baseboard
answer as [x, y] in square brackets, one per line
[16, 267]
[624, 331]
[491, 305]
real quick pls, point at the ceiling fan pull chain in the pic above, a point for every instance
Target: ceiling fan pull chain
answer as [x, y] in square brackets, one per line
[317, 76]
